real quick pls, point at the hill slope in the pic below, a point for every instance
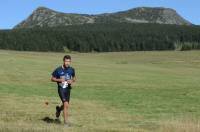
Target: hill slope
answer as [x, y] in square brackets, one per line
[45, 17]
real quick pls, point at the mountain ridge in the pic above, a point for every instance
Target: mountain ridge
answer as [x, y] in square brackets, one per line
[46, 17]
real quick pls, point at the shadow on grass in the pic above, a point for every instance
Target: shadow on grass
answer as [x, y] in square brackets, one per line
[50, 120]
[57, 121]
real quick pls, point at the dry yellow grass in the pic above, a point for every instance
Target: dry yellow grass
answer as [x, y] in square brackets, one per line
[184, 124]
[26, 114]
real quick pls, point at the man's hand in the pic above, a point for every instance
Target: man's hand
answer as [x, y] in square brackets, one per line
[70, 81]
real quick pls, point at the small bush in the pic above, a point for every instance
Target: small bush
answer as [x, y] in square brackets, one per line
[66, 49]
[182, 46]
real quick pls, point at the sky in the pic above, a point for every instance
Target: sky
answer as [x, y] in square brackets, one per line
[14, 11]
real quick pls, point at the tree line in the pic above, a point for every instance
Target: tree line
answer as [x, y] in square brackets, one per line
[102, 38]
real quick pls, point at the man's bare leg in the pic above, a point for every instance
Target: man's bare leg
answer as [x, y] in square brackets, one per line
[65, 111]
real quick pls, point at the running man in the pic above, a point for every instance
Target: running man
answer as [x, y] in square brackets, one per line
[64, 76]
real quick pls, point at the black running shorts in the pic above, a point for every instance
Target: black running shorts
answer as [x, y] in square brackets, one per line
[64, 94]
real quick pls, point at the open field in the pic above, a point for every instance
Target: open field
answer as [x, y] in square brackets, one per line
[156, 91]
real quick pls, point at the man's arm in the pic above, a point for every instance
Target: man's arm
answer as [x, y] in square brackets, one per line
[54, 79]
[73, 77]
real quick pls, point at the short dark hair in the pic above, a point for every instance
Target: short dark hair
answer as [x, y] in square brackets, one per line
[66, 57]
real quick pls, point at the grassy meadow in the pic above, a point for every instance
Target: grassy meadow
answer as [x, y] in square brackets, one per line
[146, 91]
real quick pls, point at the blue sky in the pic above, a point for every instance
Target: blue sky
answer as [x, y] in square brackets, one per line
[14, 11]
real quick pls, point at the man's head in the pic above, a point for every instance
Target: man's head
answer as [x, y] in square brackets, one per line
[66, 60]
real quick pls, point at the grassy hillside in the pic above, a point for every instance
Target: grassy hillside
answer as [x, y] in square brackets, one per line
[119, 91]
